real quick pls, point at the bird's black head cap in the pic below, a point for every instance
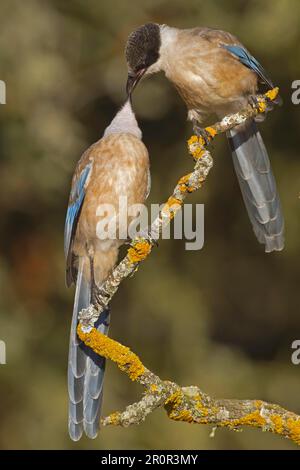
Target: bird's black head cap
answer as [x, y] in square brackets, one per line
[142, 51]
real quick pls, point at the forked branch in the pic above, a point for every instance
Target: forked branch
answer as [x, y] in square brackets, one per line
[189, 404]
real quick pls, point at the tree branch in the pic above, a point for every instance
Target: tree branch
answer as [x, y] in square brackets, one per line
[187, 404]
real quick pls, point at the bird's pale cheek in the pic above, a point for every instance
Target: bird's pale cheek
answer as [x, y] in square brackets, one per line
[155, 68]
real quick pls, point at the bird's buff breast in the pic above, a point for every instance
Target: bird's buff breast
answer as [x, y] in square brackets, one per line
[120, 170]
[208, 78]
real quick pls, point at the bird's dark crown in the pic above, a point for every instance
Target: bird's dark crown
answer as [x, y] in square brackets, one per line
[142, 49]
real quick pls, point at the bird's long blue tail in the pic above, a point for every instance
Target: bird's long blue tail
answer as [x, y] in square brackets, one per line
[85, 368]
[257, 183]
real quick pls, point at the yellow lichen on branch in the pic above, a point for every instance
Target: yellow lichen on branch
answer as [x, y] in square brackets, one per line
[187, 404]
[171, 207]
[106, 347]
[196, 146]
[273, 94]
[139, 251]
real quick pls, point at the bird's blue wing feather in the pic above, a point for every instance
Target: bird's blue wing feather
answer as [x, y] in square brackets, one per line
[76, 201]
[249, 61]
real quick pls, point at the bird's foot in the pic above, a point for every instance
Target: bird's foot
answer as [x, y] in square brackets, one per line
[264, 107]
[201, 132]
[147, 234]
[99, 297]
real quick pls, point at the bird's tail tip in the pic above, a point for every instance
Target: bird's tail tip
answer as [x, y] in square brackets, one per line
[274, 244]
[91, 430]
[75, 430]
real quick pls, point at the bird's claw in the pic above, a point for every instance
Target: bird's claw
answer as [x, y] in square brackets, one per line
[99, 297]
[201, 132]
[254, 102]
[148, 235]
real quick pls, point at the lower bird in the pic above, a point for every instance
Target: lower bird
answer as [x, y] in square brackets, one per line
[215, 74]
[117, 166]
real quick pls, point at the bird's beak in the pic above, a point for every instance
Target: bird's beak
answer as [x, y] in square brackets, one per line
[132, 81]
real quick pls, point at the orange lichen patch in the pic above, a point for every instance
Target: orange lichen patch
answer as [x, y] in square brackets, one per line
[293, 426]
[272, 94]
[153, 388]
[262, 106]
[198, 152]
[211, 132]
[183, 188]
[202, 141]
[126, 360]
[172, 201]
[183, 415]
[278, 425]
[171, 207]
[139, 251]
[175, 399]
[193, 140]
[176, 411]
[251, 419]
[185, 179]
[196, 146]
[184, 185]
[200, 407]
[173, 403]
[114, 418]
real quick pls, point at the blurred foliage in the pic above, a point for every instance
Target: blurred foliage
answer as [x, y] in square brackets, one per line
[223, 317]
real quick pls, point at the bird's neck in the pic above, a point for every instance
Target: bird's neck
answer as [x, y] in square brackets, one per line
[168, 36]
[124, 122]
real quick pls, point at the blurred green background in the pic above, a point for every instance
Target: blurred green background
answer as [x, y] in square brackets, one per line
[223, 317]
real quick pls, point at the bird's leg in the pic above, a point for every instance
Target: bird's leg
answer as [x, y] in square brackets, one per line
[201, 132]
[97, 294]
[148, 235]
[145, 234]
[253, 101]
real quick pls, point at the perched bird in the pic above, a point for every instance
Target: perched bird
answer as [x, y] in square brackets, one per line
[215, 74]
[117, 166]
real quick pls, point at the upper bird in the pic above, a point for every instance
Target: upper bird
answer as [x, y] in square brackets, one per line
[115, 167]
[214, 73]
